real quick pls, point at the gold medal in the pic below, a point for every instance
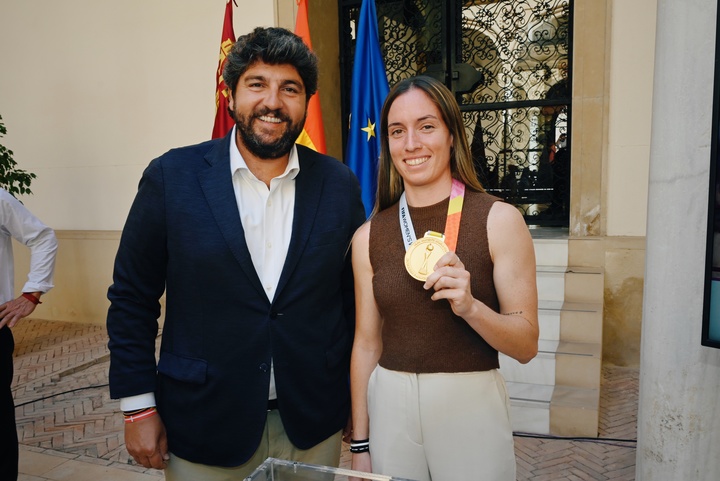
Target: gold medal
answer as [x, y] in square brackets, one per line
[423, 254]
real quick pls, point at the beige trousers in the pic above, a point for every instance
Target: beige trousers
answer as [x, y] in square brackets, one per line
[274, 443]
[440, 426]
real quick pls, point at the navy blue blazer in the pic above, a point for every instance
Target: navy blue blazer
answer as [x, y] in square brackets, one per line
[184, 237]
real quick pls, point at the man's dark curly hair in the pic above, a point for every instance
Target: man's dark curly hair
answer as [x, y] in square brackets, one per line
[273, 46]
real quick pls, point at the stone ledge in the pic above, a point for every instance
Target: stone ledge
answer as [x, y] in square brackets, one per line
[574, 411]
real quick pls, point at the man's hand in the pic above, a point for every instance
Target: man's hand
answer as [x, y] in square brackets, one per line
[13, 311]
[146, 441]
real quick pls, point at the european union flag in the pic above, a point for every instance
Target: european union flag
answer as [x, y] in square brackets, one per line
[368, 91]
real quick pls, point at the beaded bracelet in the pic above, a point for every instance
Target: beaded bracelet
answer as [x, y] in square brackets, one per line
[361, 446]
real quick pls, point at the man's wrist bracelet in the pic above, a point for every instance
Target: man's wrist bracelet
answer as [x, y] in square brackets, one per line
[31, 298]
[137, 411]
[146, 413]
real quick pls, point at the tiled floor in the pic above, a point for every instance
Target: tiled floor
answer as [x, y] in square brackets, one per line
[69, 428]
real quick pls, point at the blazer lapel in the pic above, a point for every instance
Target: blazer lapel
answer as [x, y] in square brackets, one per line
[216, 183]
[308, 186]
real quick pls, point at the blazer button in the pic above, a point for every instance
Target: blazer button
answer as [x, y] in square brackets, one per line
[273, 315]
[264, 367]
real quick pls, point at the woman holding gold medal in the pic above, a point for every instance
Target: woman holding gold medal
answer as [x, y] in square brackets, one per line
[444, 280]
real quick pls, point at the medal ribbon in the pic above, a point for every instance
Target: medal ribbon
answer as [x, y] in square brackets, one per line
[452, 223]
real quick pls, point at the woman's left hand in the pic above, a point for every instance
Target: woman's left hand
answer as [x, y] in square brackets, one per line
[452, 282]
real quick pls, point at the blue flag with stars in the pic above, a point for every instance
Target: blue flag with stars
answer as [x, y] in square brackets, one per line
[368, 91]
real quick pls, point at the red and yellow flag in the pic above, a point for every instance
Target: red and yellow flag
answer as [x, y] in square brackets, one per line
[223, 122]
[313, 135]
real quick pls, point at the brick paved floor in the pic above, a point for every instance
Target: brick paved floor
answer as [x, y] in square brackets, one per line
[63, 408]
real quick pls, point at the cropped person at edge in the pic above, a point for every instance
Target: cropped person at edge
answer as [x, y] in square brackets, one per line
[428, 400]
[248, 236]
[17, 222]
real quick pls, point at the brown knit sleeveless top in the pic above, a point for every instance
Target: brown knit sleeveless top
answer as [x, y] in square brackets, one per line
[421, 335]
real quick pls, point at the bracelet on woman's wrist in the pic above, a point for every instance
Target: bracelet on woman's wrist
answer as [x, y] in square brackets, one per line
[359, 446]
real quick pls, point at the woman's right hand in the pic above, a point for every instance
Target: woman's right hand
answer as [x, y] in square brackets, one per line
[361, 462]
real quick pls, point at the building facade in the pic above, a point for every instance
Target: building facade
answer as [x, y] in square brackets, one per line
[90, 92]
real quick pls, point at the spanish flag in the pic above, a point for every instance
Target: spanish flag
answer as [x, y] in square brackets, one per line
[223, 122]
[313, 135]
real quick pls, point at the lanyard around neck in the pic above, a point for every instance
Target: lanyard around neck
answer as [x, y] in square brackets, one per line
[452, 223]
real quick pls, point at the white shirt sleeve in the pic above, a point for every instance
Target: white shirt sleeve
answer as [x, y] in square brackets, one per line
[137, 402]
[19, 223]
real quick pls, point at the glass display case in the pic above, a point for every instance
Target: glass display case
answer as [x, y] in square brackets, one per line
[281, 470]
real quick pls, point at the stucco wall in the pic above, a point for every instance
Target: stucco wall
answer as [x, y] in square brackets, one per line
[83, 274]
[630, 82]
[629, 91]
[91, 91]
[612, 111]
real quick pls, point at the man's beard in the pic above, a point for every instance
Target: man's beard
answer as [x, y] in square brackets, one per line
[256, 145]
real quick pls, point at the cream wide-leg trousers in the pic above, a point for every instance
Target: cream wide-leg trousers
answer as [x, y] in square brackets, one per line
[440, 426]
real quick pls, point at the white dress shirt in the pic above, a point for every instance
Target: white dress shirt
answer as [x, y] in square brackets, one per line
[17, 222]
[267, 217]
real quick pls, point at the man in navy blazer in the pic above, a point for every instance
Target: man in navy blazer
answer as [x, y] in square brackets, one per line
[248, 237]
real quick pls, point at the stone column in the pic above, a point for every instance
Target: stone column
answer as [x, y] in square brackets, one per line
[679, 407]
